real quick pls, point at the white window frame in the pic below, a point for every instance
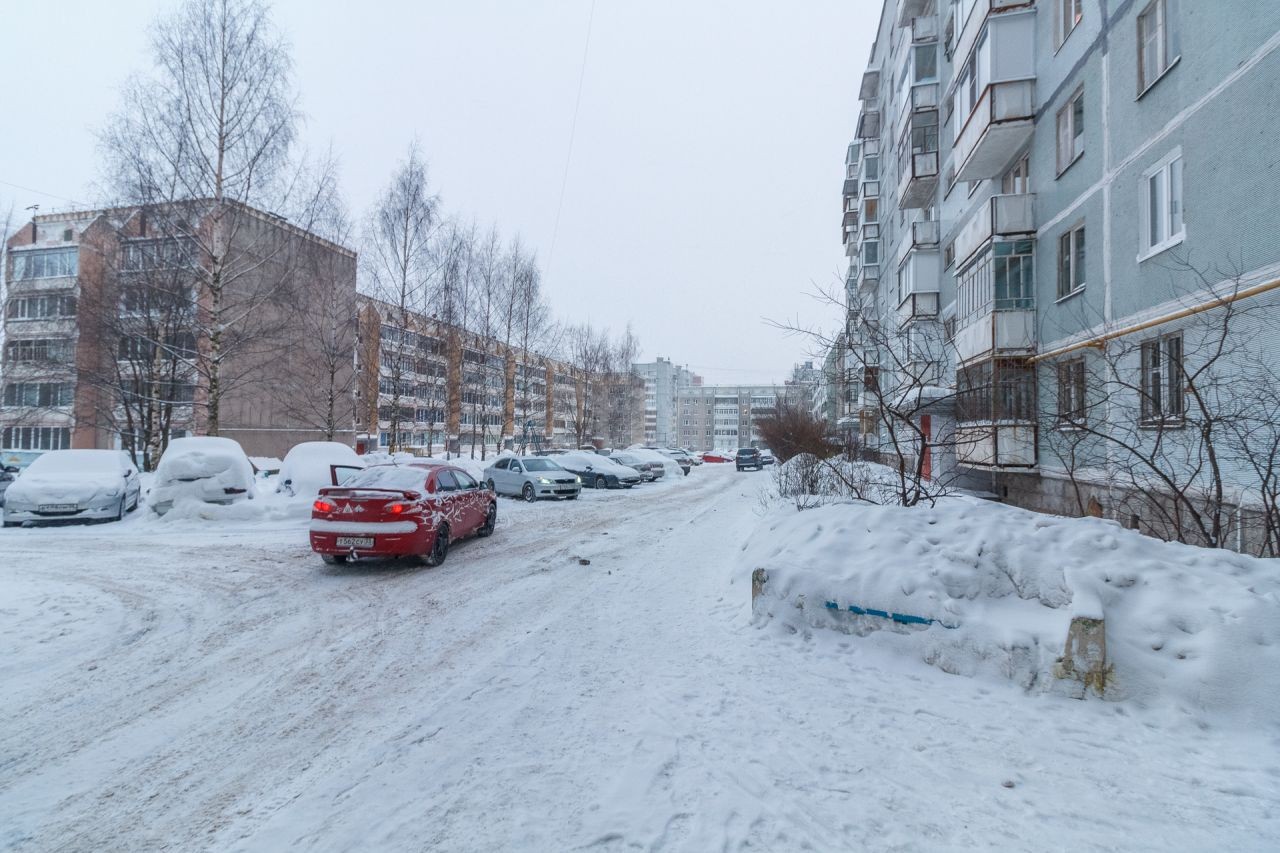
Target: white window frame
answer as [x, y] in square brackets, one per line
[1166, 43]
[1066, 117]
[1067, 16]
[1167, 175]
[1073, 262]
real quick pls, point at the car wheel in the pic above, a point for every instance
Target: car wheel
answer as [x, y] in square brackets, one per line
[440, 548]
[334, 559]
[529, 494]
[490, 520]
[120, 512]
[601, 482]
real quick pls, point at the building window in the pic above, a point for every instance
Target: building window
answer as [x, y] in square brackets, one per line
[1071, 131]
[1163, 394]
[1161, 206]
[1158, 47]
[41, 394]
[1069, 14]
[1017, 181]
[1071, 390]
[43, 349]
[1071, 262]
[36, 438]
[949, 255]
[1013, 273]
[45, 307]
[46, 263]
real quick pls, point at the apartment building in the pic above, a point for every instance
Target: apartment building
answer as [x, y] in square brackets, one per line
[107, 330]
[663, 382]
[722, 417]
[427, 385]
[1045, 206]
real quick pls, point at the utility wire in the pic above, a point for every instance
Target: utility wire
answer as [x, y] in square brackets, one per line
[573, 132]
[42, 192]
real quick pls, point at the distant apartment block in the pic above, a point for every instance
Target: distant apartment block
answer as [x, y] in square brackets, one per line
[723, 417]
[107, 336]
[663, 383]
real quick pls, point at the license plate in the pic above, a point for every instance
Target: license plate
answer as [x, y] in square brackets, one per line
[59, 507]
[355, 541]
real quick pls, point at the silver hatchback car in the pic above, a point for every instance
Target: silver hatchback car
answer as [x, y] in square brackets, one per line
[532, 477]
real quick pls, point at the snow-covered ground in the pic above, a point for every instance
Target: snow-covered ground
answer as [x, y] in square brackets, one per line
[192, 684]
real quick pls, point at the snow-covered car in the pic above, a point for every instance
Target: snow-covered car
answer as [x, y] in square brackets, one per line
[73, 485]
[206, 468]
[664, 463]
[413, 510]
[679, 457]
[532, 477]
[649, 470]
[310, 466]
[8, 474]
[598, 472]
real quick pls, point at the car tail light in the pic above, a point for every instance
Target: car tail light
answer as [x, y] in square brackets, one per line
[396, 509]
[324, 506]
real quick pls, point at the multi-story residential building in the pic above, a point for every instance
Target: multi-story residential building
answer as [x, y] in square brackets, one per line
[427, 385]
[723, 417]
[663, 382]
[1044, 205]
[109, 337]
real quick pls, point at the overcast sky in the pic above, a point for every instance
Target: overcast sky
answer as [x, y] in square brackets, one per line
[703, 192]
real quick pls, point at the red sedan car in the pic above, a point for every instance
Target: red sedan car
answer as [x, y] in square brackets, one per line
[413, 510]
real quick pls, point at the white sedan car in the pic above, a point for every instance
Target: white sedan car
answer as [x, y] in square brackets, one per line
[310, 466]
[73, 485]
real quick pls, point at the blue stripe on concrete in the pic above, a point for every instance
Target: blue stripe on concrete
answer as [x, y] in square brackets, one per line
[900, 618]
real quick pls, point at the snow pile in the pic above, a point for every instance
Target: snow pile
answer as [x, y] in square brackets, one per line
[1197, 626]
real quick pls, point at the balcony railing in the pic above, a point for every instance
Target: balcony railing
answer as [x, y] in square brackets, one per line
[1000, 216]
[850, 220]
[870, 85]
[924, 234]
[1000, 124]
[909, 9]
[869, 276]
[851, 187]
[918, 180]
[924, 29]
[869, 124]
[923, 97]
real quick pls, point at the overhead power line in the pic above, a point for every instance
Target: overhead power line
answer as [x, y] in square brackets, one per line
[573, 132]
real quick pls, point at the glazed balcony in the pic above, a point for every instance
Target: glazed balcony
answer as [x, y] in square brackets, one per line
[996, 446]
[924, 29]
[999, 216]
[869, 124]
[999, 127]
[870, 85]
[918, 180]
[925, 234]
[983, 11]
[909, 9]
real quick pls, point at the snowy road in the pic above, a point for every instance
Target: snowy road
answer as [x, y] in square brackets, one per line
[211, 686]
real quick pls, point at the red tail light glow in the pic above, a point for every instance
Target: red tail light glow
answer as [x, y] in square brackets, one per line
[324, 506]
[396, 509]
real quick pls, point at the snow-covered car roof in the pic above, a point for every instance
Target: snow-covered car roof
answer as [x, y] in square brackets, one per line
[75, 461]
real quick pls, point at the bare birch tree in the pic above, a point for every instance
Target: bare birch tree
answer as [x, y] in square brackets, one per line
[206, 141]
[399, 264]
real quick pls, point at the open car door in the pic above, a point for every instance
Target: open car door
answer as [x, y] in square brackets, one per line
[339, 474]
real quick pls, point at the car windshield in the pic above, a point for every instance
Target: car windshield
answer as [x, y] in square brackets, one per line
[76, 461]
[388, 477]
[540, 464]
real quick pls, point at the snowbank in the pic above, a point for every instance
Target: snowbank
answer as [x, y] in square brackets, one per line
[985, 589]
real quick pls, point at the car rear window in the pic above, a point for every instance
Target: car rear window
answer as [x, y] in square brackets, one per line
[389, 477]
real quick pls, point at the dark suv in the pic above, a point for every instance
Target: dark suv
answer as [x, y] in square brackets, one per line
[749, 457]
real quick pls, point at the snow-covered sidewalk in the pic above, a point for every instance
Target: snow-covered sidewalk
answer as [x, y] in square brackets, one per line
[211, 686]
